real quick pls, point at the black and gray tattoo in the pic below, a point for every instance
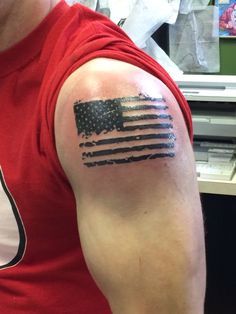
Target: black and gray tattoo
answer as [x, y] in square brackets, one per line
[124, 130]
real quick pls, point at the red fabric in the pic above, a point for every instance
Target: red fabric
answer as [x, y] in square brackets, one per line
[50, 275]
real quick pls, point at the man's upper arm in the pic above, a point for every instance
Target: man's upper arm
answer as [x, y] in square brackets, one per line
[123, 144]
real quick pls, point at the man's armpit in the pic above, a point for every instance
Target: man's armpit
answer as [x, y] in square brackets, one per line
[124, 130]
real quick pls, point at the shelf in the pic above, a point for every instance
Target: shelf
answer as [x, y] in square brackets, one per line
[209, 88]
[217, 186]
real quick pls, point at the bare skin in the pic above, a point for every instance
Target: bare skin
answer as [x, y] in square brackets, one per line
[17, 14]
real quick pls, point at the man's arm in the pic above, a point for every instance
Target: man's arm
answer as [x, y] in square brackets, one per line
[124, 147]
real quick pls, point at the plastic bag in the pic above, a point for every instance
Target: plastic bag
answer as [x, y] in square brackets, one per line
[187, 6]
[194, 41]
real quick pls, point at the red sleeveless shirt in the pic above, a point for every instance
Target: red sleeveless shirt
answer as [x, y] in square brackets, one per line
[42, 269]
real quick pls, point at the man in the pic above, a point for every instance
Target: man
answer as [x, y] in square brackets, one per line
[92, 126]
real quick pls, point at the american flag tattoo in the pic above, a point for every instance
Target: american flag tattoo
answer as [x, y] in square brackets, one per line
[135, 120]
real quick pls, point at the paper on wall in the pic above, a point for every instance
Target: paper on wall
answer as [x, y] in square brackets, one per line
[120, 10]
[174, 5]
[140, 19]
[123, 9]
[146, 17]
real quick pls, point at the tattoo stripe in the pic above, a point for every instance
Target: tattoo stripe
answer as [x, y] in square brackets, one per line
[139, 98]
[143, 107]
[128, 160]
[108, 152]
[148, 126]
[140, 137]
[131, 99]
[147, 117]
